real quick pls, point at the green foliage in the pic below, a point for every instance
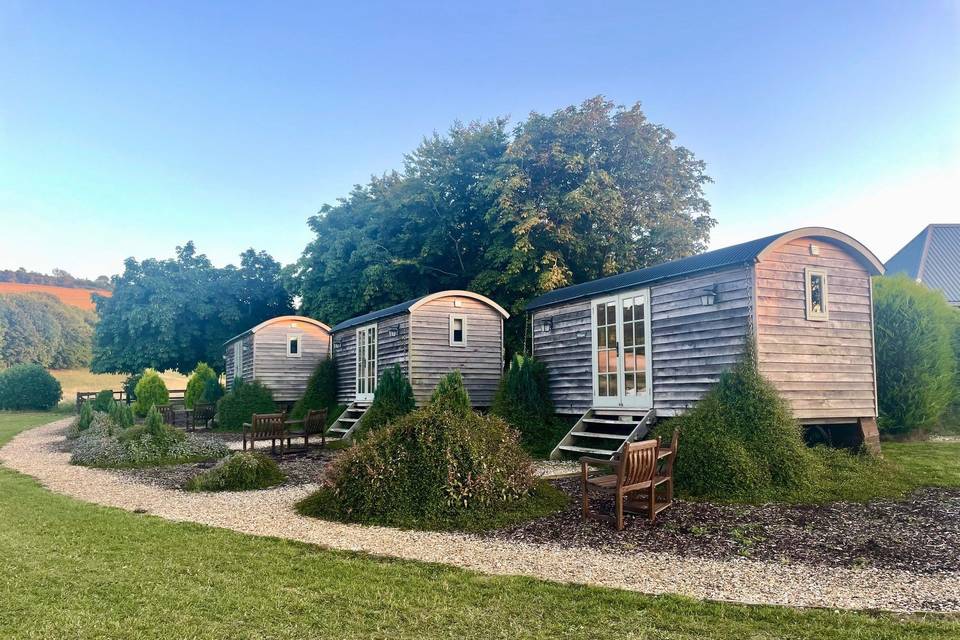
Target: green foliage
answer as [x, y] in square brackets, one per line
[197, 384]
[451, 395]
[103, 400]
[85, 419]
[243, 471]
[194, 307]
[28, 386]
[150, 392]
[38, 328]
[212, 391]
[916, 361]
[121, 415]
[321, 392]
[588, 191]
[392, 399]
[740, 442]
[429, 469]
[244, 400]
[523, 400]
[130, 385]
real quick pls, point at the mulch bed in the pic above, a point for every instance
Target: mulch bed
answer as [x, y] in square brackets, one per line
[920, 533]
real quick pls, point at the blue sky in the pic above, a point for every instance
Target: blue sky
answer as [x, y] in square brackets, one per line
[127, 128]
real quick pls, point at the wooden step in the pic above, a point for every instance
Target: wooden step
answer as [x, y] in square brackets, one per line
[347, 419]
[337, 430]
[625, 423]
[607, 436]
[600, 452]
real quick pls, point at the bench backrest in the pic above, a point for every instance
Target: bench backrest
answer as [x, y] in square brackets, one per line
[268, 425]
[203, 413]
[166, 412]
[315, 421]
[639, 461]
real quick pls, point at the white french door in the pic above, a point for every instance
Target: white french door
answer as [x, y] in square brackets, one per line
[366, 362]
[622, 372]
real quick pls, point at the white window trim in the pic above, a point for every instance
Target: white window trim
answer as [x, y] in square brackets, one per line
[808, 274]
[299, 339]
[463, 320]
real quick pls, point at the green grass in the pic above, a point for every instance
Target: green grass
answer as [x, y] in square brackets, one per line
[543, 500]
[75, 570]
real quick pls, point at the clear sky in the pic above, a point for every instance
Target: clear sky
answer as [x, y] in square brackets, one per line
[127, 128]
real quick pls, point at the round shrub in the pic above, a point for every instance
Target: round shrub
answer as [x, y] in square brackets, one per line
[212, 391]
[523, 400]
[392, 399]
[740, 442]
[28, 386]
[321, 392]
[103, 400]
[916, 363]
[197, 384]
[428, 469]
[151, 392]
[240, 472]
[451, 395]
[85, 419]
[244, 400]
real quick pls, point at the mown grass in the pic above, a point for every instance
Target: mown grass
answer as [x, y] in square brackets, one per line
[74, 380]
[74, 570]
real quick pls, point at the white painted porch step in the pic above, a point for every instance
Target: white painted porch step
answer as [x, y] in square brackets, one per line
[607, 421]
[599, 452]
[341, 419]
[607, 436]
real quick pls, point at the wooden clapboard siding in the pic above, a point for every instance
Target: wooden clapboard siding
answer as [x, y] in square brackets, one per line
[345, 359]
[566, 352]
[693, 344]
[247, 359]
[432, 356]
[393, 349]
[287, 376]
[825, 369]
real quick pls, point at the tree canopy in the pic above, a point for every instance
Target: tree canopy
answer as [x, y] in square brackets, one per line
[172, 314]
[588, 191]
[36, 328]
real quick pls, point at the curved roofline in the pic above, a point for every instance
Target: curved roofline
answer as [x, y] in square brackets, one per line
[462, 294]
[870, 260]
[270, 321]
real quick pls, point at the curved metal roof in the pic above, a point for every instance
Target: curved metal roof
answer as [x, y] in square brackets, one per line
[270, 321]
[411, 305]
[746, 252]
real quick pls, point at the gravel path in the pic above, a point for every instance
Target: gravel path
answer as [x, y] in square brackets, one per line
[37, 453]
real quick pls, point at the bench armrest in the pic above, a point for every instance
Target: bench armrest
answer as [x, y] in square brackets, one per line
[599, 461]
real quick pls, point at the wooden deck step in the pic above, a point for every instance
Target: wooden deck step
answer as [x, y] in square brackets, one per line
[625, 423]
[607, 436]
[342, 419]
[573, 449]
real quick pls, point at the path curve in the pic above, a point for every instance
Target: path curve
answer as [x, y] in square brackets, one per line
[270, 513]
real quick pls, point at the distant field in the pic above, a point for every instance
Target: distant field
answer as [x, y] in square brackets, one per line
[73, 380]
[79, 298]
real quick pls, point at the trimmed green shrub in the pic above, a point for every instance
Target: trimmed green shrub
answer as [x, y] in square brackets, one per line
[244, 400]
[85, 419]
[321, 392]
[150, 391]
[392, 399]
[28, 386]
[240, 472]
[916, 362]
[197, 384]
[121, 415]
[740, 442]
[130, 386]
[429, 469]
[523, 400]
[451, 395]
[212, 392]
[103, 400]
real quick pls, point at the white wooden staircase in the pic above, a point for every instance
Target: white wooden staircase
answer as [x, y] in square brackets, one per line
[346, 424]
[602, 433]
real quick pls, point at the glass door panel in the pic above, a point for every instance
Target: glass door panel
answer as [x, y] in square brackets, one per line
[621, 365]
[606, 363]
[366, 363]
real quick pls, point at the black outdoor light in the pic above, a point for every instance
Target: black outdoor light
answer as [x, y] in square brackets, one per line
[394, 331]
[547, 325]
[709, 296]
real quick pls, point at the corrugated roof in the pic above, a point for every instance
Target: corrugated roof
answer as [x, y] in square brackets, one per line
[376, 315]
[933, 258]
[717, 259]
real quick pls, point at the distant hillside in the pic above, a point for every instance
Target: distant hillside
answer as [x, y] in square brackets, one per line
[59, 278]
[72, 296]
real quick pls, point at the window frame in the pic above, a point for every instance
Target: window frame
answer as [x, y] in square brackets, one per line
[238, 360]
[463, 323]
[299, 338]
[808, 275]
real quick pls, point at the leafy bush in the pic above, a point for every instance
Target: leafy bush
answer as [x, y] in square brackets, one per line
[121, 415]
[150, 392]
[28, 386]
[103, 400]
[130, 386]
[239, 472]
[523, 400]
[740, 442]
[392, 399]
[321, 392]
[85, 419]
[212, 392]
[451, 395]
[916, 363]
[197, 384]
[431, 468]
[244, 400]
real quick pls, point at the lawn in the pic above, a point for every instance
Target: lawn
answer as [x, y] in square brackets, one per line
[74, 380]
[74, 570]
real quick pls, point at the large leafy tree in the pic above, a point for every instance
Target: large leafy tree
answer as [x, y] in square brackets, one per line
[588, 191]
[37, 328]
[172, 314]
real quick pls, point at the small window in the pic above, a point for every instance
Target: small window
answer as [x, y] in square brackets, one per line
[817, 295]
[458, 331]
[294, 346]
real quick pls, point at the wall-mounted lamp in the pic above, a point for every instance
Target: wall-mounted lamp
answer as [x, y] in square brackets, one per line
[547, 325]
[582, 334]
[393, 331]
[709, 296]
[338, 345]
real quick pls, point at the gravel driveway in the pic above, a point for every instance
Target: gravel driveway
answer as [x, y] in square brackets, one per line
[37, 453]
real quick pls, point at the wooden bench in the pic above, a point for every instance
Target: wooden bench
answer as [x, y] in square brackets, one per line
[265, 426]
[634, 471]
[313, 424]
[201, 416]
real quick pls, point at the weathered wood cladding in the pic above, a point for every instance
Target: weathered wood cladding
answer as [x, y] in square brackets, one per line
[566, 351]
[693, 343]
[432, 356]
[391, 350]
[345, 359]
[285, 375]
[247, 359]
[825, 369]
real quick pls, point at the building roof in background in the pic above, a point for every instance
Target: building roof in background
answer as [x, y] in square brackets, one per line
[932, 258]
[275, 320]
[746, 252]
[411, 305]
